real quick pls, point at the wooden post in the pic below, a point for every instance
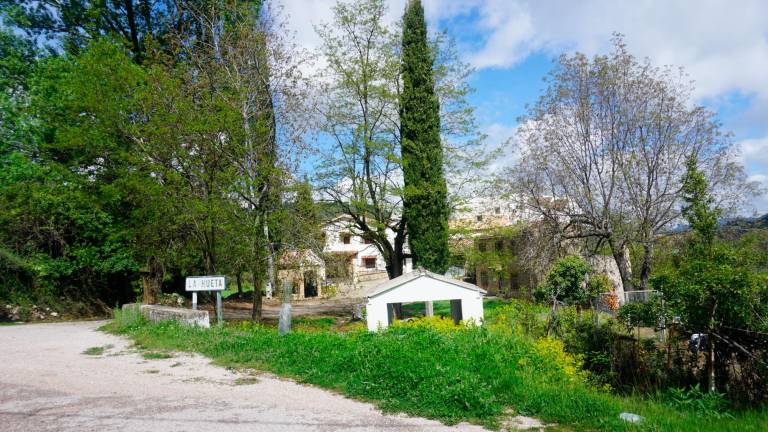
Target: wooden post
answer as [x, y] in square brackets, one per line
[284, 320]
[430, 309]
[219, 311]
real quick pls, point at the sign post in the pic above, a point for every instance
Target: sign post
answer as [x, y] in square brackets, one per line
[208, 283]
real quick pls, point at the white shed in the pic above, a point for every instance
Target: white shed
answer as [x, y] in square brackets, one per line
[424, 286]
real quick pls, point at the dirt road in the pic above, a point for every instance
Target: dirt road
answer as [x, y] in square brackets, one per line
[239, 310]
[47, 383]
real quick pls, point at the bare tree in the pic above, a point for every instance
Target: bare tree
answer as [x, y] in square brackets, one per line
[604, 151]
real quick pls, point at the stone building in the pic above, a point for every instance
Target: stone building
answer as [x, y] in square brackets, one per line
[305, 270]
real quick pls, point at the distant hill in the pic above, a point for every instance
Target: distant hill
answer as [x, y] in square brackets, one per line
[760, 222]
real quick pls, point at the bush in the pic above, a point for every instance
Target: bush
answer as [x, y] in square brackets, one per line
[702, 403]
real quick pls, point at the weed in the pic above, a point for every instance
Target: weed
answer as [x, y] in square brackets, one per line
[97, 350]
[155, 355]
[246, 381]
[708, 404]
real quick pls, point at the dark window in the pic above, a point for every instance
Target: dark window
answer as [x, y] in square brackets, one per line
[479, 218]
[369, 263]
[497, 210]
[499, 245]
[367, 241]
[346, 238]
[481, 246]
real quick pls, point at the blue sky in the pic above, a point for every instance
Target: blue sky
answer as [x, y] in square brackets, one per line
[722, 45]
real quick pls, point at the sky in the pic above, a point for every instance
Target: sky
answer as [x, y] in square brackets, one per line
[722, 45]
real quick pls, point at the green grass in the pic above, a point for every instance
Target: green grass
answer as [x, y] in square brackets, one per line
[443, 308]
[474, 374]
[154, 355]
[97, 350]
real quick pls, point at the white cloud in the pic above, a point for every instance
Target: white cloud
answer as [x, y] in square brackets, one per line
[724, 46]
[754, 151]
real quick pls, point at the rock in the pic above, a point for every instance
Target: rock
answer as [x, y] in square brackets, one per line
[54, 314]
[161, 313]
[357, 312]
[630, 418]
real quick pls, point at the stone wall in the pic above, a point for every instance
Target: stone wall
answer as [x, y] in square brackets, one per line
[157, 313]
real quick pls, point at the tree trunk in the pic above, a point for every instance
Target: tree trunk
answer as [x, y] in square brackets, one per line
[271, 282]
[395, 269]
[621, 256]
[645, 270]
[132, 27]
[239, 278]
[257, 300]
[151, 280]
[711, 364]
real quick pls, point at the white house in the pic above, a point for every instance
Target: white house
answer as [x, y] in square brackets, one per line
[424, 286]
[365, 262]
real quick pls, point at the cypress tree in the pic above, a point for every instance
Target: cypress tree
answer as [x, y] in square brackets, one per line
[425, 199]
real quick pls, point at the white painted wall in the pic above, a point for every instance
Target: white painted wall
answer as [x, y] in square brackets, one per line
[334, 232]
[424, 289]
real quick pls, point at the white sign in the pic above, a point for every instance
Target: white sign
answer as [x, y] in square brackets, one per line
[206, 283]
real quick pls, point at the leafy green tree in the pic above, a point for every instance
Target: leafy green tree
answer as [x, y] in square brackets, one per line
[425, 198]
[62, 210]
[565, 283]
[714, 287]
[73, 24]
[699, 207]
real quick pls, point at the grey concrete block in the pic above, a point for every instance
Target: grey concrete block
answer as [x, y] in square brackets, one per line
[156, 313]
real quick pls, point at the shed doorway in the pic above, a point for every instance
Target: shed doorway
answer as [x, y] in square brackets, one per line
[441, 308]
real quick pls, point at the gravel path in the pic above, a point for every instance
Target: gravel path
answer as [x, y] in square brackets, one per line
[48, 384]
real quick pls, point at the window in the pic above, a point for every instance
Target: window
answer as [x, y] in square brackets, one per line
[497, 210]
[499, 245]
[367, 241]
[369, 263]
[481, 246]
[479, 218]
[346, 238]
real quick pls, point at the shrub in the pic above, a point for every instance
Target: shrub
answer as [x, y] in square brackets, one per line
[708, 404]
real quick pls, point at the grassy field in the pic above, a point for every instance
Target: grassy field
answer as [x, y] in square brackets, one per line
[443, 308]
[433, 369]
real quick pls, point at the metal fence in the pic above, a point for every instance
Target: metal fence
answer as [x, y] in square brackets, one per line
[639, 296]
[608, 302]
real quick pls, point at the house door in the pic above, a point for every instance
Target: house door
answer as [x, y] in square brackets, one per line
[310, 284]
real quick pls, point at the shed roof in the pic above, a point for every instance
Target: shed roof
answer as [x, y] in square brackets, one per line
[416, 274]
